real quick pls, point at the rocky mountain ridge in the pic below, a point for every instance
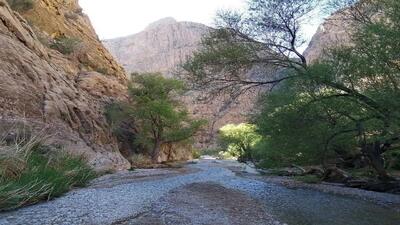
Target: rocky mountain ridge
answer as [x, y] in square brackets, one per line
[161, 47]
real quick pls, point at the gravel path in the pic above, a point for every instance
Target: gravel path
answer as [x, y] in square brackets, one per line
[211, 190]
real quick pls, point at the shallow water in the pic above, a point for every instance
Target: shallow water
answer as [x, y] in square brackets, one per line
[308, 207]
[311, 207]
[292, 206]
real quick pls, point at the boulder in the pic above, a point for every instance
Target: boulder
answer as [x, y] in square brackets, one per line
[335, 175]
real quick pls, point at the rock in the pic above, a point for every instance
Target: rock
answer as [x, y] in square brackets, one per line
[287, 171]
[314, 171]
[335, 31]
[45, 90]
[49, 17]
[161, 47]
[250, 168]
[375, 185]
[335, 175]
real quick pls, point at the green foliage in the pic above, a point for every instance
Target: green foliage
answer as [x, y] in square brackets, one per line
[196, 154]
[393, 160]
[265, 36]
[30, 173]
[239, 140]
[295, 128]
[157, 109]
[341, 104]
[309, 179]
[102, 70]
[215, 152]
[21, 5]
[65, 45]
[139, 161]
[158, 114]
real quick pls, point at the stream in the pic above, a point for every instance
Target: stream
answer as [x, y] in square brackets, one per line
[206, 192]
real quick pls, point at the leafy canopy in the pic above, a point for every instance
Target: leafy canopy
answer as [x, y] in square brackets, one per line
[156, 111]
[239, 140]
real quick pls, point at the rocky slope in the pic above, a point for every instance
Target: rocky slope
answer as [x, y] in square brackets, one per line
[43, 89]
[335, 31]
[162, 47]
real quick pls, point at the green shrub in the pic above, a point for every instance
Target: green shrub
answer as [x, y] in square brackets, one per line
[21, 5]
[393, 160]
[196, 154]
[102, 70]
[140, 161]
[309, 179]
[31, 172]
[211, 152]
[239, 140]
[65, 45]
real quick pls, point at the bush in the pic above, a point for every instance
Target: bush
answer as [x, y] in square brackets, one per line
[309, 179]
[196, 154]
[102, 70]
[31, 172]
[393, 160]
[140, 161]
[65, 45]
[21, 5]
[211, 152]
[239, 140]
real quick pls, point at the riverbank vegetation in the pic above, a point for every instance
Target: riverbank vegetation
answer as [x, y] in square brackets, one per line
[340, 111]
[31, 171]
[157, 116]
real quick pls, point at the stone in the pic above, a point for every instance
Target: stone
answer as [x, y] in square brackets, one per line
[46, 90]
[335, 175]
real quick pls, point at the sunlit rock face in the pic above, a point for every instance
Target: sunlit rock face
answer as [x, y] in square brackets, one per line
[334, 32]
[162, 47]
[42, 89]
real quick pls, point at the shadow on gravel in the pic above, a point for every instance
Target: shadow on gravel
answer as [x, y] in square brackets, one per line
[204, 204]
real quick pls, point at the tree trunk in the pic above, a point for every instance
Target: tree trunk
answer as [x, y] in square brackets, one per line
[156, 151]
[374, 153]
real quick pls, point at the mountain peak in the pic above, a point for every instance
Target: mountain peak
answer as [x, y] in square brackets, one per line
[162, 22]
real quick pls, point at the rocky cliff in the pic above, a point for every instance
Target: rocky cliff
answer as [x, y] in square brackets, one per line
[42, 88]
[335, 31]
[162, 47]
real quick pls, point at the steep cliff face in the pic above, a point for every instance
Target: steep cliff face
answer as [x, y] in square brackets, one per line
[159, 48]
[44, 89]
[335, 31]
[64, 18]
[162, 47]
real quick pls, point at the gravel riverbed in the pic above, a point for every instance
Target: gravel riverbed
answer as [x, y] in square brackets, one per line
[202, 193]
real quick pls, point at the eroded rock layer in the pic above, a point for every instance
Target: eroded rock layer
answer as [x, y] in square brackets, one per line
[44, 89]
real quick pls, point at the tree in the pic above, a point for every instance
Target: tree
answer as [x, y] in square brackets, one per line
[250, 49]
[352, 92]
[296, 127]
[159, 116]
[239, 140]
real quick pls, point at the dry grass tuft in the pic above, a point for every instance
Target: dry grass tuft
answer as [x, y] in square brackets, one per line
[31, 171]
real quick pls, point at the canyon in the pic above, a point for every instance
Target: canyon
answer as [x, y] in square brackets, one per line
[163, 47]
